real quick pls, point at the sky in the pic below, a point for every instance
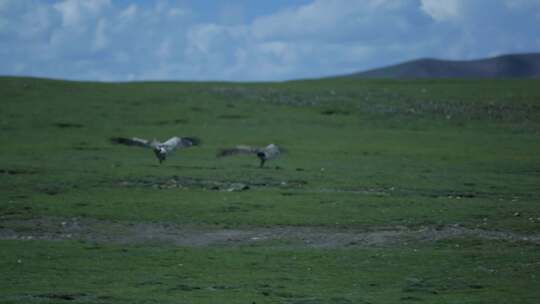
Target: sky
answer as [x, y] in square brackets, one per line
[252, 40]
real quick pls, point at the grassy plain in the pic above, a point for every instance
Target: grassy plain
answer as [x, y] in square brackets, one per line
[362, 156]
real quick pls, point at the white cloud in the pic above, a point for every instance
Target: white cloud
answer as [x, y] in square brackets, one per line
[4, 4]
[177, 12]
[275, 48]
[202, 36]
[520, 4]
[442, 10]
[37, 23]
[129, 13]
[100, 39]
[4, 23]
[73, 11]
[164, 51]
[316, 19]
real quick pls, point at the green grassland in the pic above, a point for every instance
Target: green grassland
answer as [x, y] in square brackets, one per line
[361, 155]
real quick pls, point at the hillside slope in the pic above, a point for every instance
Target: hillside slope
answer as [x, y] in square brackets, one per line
[506, 66]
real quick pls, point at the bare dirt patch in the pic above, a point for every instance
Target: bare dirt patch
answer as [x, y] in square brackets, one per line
[16, 171]
[64, 125]
[99, 231]
[170, 182]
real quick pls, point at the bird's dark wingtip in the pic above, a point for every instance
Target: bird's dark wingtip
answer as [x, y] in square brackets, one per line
[118, 140]
[195, 141]
[222, 152]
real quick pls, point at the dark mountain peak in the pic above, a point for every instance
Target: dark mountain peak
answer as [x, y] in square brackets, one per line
[505, 66]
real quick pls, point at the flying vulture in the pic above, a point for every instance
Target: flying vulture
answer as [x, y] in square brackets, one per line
[263, 153]
[161, 149]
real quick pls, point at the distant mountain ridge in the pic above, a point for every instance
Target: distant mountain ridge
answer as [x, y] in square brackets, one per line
[501, 67]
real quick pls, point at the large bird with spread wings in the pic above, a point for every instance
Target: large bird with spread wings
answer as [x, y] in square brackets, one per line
[263, 153]
[161, 149]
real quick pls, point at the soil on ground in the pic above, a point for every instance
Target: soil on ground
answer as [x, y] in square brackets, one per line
[93, 230]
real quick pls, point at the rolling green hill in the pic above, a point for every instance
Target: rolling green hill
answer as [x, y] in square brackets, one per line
[391, 191]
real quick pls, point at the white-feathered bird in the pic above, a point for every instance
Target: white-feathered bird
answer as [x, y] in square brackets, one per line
[161, 149]
[263, 153]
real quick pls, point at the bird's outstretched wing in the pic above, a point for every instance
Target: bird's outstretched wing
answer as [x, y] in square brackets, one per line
[272, 151]
[237, 150]
[283, 150]
[133, 141]
[174, 143]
